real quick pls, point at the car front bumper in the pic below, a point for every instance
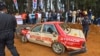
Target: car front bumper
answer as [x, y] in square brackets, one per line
[79, 51]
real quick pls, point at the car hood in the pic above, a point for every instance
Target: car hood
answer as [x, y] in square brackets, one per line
[76, 33]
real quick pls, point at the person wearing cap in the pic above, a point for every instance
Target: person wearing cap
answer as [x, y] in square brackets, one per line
[7, 28]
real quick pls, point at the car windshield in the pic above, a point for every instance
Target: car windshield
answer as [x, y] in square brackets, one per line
[65, 27]
[37, 28]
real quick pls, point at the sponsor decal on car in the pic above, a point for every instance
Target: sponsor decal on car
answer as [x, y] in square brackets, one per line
[41, 38]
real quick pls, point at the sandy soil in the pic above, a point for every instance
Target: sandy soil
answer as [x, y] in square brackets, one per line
[31, 49]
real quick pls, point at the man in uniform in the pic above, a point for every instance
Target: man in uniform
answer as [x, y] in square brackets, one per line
[7, 29]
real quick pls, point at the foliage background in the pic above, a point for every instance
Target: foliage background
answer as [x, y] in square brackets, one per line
[79, 4]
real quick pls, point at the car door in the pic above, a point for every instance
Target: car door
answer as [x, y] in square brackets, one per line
[35, 34]
[49, 34]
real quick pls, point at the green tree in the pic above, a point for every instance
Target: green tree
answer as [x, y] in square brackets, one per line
[79, 4]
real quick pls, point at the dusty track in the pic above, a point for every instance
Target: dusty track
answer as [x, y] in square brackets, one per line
[31, 49]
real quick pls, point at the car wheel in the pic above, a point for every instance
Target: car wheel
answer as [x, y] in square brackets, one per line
[24, 39]
[58, 48]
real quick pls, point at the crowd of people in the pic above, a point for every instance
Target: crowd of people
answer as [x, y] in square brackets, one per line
[71, 16]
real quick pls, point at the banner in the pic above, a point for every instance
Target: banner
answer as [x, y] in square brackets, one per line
[59, 4]
[16, 4]
[34, 4]
[19, 19]
[41, 4]
[52, 5]
[48, 5]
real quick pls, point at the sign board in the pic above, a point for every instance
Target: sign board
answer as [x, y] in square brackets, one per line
[19, 19]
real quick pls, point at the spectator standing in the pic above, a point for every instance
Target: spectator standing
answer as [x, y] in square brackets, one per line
[46, 16]
[32, 18]
[24, 17]
[66, 17]
[49, 16]
[78, 16]
[70, 16]
[74, 17]
[58, 16]
[36, 16]
[90, 14]
[39, 17]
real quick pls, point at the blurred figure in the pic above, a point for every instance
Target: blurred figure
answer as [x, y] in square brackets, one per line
[7, 28]
[85, 24]
[58, 16]
[66, 17]
[24, 17]
[70, 16]
[46, 16]
[39, 17]
[90, 14]
[74, 17]
[32, 18]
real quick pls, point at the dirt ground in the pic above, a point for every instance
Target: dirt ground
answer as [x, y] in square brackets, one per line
[32, 49]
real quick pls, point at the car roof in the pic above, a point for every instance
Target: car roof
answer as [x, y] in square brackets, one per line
[52, 22]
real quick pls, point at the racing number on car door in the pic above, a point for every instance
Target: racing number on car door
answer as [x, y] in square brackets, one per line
[47, 34]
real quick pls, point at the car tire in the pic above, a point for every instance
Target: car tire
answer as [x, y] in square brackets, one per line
[24, 39]
[58, 48]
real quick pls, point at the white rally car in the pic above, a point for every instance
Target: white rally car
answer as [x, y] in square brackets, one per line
[56, 35]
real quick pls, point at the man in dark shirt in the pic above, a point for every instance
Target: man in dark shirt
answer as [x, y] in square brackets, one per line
[85, 24]
[7, 29]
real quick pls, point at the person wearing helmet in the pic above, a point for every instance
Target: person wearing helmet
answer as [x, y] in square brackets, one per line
[7, 29]
[85, 25]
